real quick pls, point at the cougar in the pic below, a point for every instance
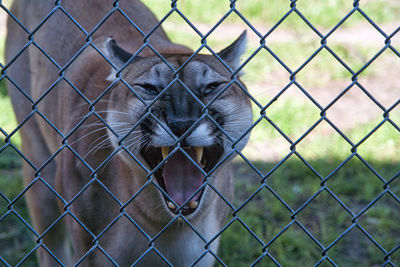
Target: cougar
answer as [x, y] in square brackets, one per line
[129, 138]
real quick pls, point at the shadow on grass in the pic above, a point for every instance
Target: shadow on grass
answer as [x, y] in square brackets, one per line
[16, 240]
[323, 219]
[265, 216]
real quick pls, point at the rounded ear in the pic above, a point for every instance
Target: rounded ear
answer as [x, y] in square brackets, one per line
[115, 53]
[232, 54]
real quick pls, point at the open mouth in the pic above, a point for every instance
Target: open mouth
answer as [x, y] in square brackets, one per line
[179, 176]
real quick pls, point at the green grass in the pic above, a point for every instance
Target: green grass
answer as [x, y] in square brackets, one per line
[7, 117]
[324, 14]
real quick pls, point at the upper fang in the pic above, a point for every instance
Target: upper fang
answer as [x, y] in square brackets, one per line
[199, 153]
[164, 151]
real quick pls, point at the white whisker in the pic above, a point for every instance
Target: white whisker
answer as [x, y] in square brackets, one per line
[92, 132]
[113, 111]
[96, 147]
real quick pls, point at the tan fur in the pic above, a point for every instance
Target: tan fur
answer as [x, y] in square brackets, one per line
[68, 175]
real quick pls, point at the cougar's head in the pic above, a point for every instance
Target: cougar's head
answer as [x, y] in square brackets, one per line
[181, 119]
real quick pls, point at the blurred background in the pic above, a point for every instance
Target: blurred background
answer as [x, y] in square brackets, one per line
[273, 182]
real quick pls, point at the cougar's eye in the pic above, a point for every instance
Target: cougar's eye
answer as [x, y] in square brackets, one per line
[150, 88]
[211, 87]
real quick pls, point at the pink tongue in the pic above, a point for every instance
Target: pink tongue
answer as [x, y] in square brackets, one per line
[181, 177]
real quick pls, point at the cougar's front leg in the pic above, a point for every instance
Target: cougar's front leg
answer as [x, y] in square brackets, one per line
[90, 211]
[42, 203]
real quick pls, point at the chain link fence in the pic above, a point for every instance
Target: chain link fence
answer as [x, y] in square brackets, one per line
[258, 179]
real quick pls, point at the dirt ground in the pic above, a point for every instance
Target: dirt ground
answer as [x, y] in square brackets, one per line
[383, 86]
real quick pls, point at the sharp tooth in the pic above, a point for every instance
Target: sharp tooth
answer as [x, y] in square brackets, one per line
[193, 204]
[164, 151]
[199, 153]
[171, 205]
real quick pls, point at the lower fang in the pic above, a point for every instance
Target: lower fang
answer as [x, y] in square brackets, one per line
[171, 205]
[193, 204]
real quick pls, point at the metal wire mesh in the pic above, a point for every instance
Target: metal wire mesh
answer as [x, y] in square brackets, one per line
[263, 248]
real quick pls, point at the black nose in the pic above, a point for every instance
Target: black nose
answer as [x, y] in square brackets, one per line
[179, 127]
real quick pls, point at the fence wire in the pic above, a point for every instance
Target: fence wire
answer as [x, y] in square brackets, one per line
[235, 217]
